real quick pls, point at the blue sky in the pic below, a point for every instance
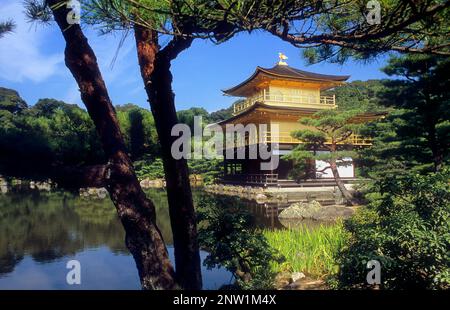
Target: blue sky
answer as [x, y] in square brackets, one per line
[32, 62]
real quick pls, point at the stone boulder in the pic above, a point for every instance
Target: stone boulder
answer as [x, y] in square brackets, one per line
[156, 183]
[260, 198]
[300, 210]
[297, 276]
[332, 213]
[314, 211]
[93, 192]
[3, 185]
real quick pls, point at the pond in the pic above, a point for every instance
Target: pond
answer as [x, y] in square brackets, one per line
[41, 231]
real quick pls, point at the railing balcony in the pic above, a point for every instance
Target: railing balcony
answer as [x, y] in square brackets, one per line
[285, 137]
[319, 102]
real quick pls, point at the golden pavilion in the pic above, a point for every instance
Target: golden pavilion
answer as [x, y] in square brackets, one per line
[280, 96]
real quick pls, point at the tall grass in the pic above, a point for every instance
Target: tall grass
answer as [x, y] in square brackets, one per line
[309, 250]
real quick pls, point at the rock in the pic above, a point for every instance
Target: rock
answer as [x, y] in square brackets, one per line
[196, 180]
[157, 183]
[43, 186]
[102, 193]
[93, 192]
[258, 190]
[308, 284]
[300, 210]
[314, 211]
[282, 279]
[239, 189]
[332, 213]
[297, 276]
[261, 198]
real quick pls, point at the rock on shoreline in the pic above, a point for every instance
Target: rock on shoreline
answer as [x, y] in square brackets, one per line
[313, 210]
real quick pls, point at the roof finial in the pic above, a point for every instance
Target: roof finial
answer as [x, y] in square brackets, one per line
[282, 58]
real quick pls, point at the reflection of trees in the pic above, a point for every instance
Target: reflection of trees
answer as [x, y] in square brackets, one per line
[159, 198]
[48, 226]
[51, 225]
[8, 261]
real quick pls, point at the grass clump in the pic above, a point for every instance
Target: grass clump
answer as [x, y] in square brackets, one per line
[312, 251]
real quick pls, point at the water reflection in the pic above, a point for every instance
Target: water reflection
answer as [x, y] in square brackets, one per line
[41, 231]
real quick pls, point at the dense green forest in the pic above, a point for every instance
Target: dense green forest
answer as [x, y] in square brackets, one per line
[53, 133]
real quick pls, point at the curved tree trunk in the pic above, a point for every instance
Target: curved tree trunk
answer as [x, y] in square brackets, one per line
[340, 184]
[155, 71]
[135, 211]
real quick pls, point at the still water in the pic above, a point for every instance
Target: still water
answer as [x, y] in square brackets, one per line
[40, 232]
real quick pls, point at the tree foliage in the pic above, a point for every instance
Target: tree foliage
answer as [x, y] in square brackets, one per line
[11, 101]
[6, 27]
[50, 133]
[406, 228]
[226, 231]
[330, 30]
[406, 225]
[359, 95]
[415, 135]
[54, 133]
[138, 126]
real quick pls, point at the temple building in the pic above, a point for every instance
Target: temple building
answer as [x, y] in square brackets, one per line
[279, 97]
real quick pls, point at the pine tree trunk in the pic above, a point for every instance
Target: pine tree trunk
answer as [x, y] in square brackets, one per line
[436, 151]
[135, 211]
[340, 184]
[429, 111]
[155, 71]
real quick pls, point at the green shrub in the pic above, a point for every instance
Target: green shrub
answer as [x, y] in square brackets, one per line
[226, 232]
[209, 169]
[152, 170]
[406, 228]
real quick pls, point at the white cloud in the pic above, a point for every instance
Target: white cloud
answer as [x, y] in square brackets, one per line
[35, 53]
[21, 53]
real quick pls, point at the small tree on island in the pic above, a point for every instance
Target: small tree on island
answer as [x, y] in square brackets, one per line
[327, 138]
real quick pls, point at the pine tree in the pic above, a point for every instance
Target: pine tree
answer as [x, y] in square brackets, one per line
[328, 137]
[415, 135]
